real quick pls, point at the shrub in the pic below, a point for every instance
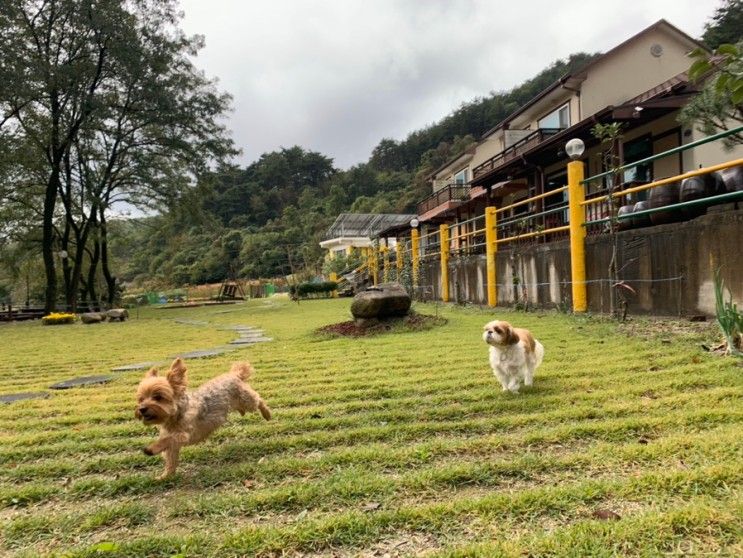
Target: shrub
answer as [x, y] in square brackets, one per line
[58, 318]
[342, 263]
[303, 290]
[728, 317]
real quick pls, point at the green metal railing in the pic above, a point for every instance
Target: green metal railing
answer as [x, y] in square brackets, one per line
[679, 149]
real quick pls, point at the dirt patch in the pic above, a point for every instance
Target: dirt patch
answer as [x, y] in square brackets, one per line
[670, 327]
[706, 334]
[413, 322]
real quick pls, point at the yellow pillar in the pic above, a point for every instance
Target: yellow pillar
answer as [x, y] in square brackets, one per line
[576, 195]
[334, 279]
[386, 262]
[415, 254]
[375, 265]
[370, 262]
[444, 245]
[398, 258]
[491, 250]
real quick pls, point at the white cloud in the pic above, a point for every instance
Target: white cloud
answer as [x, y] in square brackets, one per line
[338, 75]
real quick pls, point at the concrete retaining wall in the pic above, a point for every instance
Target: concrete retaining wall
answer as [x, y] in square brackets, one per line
[670, 267]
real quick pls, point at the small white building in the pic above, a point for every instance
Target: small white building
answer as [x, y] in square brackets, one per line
[356, 231]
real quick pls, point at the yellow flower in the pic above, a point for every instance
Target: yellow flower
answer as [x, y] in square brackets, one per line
[58, 318]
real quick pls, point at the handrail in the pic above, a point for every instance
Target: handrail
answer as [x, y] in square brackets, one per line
[536, 233]
[454, 191]
[466, 234]
[533, 198]
[490, 163]
[429, 235]
[671, 151]
[470, 220]
[532, 215]
[655, 184]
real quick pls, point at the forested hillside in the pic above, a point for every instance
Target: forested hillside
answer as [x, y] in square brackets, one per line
[267, 219]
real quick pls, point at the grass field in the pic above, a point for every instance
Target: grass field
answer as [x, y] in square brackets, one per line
[395, 445]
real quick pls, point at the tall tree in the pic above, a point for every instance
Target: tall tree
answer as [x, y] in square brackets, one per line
[105, 92]
[56, 55]
[726, 25]
[719, 105]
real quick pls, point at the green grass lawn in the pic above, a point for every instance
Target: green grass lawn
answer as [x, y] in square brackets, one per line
[399, 444]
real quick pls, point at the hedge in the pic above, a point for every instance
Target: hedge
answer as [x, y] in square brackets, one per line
[302, 290]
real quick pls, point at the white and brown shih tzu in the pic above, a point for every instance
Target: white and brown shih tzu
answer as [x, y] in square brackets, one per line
[514, 354]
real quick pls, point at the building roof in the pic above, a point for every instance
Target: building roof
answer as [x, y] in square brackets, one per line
[465, 156]
[664, 97]
[366, 225]
[580, 73]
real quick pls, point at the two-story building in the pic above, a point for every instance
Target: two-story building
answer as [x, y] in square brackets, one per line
[641, 83]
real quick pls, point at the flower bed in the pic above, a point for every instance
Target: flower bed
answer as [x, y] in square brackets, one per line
[58, 318]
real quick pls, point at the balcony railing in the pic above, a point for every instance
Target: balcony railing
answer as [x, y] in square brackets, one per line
[521, 146]
[449, 193]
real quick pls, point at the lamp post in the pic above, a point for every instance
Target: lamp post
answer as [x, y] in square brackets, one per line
[575, 148]
[414, 247]
[576, 195]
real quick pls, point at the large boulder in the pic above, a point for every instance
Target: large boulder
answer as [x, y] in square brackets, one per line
[117, 314]
[383, 301]
[92, 317]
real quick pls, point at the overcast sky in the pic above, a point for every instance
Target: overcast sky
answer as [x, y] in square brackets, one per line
[336, 76]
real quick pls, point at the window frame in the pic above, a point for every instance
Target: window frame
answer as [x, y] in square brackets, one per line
[464, 170]
[557, 110]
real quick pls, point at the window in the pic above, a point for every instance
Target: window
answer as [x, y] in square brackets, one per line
[556, 200]
[559, 118]
[461, 177]
[634, 151]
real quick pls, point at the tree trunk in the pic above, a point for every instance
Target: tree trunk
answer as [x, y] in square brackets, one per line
[110, 279]
[47, 243]
[92, 270]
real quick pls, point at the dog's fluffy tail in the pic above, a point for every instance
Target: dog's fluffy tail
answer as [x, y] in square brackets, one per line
[265, 411]
[242, 370]
[538, 353]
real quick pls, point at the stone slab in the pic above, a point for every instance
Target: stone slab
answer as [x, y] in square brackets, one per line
[250, 340]
[12, 397]
[136, 366]
[257, 333]
[81, 381]
[202, 353]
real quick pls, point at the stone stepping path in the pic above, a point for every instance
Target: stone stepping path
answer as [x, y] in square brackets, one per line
[12, 397]
[82, 381]
[137, 366]
[203, 353]
[248, 335]
[250, 340]
[256, 333]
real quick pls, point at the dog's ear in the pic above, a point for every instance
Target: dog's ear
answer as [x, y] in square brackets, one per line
[177, 376]
[511, 337]
[151, 373]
